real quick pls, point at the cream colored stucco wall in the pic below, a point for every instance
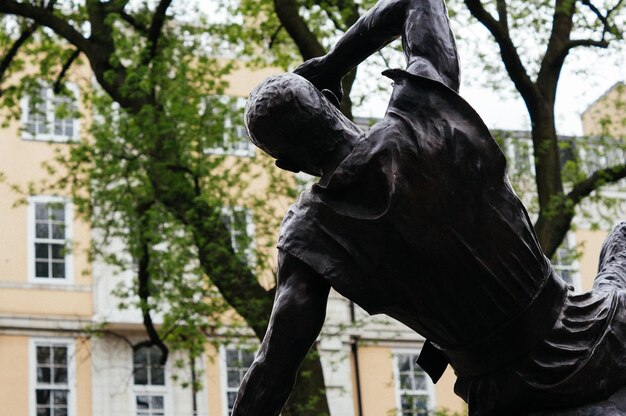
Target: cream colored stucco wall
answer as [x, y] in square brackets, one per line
[21, 165]
[607, 116]
[243, 80]
[14, 375]
[45, 302]
[213, 380]
[445, 398]
[591, 244]
[377, 385]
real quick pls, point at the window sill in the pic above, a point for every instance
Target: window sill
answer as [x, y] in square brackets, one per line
[36, 284]
[48, 138]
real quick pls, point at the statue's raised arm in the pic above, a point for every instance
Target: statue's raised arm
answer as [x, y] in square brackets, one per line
[428, 44]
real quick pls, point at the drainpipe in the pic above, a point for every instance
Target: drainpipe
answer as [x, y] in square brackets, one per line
[354, 344]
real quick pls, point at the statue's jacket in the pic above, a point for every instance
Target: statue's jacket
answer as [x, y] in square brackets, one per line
[420, 222]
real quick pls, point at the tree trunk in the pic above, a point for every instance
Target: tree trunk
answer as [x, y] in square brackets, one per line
[309, 395]
[554, 213]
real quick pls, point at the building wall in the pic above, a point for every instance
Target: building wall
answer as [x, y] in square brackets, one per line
[377, 385]
[14, 376]
[607, 115]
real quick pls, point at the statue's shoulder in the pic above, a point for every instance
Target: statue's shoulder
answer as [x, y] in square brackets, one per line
[430, 106]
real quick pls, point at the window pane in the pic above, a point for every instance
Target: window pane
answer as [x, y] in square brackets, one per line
[157, 402]
[43, 355]
[57, 213]
[140, 356]
[41, 211]
[58, 251]
[233, 378]
[420, 382]
[60, 375]
[43, 396]
[404, 362]
[58, 128]
[41, 269]
[60, 412]
[43, 374]
[43, 411]
[405, 382]
[231, 396]
[247, 357]
[158, 375]
[58, 231]
[143, 402]
[154, 355]
[232, 358]
[41, 230]
[141, 375]
[60, 397]
[41, 251]
[58, 270]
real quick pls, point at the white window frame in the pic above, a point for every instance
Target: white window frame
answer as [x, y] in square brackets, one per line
[151, 389]
[592, 160]
[249, 251]
[512, 146]
[430, 387]
[70, 344]
[574, 266]
[224, 372]
[69, 235]
[225, 149]
[50, 117]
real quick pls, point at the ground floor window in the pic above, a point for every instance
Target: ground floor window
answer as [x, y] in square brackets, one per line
[150, 405]
[237, 361]
[414, 391]
[149, 381]
[52, 377]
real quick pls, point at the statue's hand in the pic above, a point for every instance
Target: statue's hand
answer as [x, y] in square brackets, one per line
[316, 72]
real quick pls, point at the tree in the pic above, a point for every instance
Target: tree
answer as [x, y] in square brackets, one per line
[144, 176]
[563, 26]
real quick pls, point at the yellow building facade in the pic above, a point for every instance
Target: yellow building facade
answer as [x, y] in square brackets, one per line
[51, 292]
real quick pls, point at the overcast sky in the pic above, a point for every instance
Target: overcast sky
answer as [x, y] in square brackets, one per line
[586, 76]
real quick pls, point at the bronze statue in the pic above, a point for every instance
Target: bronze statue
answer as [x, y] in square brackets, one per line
[416, 219]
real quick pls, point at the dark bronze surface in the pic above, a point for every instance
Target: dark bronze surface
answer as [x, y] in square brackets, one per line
[416, 219]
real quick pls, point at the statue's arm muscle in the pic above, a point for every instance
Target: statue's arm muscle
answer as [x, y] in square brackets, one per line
[297, 317]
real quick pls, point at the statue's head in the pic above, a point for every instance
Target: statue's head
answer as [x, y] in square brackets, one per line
[292, 121]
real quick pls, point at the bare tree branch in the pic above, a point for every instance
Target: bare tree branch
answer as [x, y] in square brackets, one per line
[133, 23]
[306, 42]
[59, 81]
[24, 36]
[510, 57]
[45, 17]
[143, 289]
[12, 52]
[158, 20]
[503, 15]
[595, 180]
[607, 26]
[274, 35]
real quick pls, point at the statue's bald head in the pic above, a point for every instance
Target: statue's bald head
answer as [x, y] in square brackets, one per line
[289, 119]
